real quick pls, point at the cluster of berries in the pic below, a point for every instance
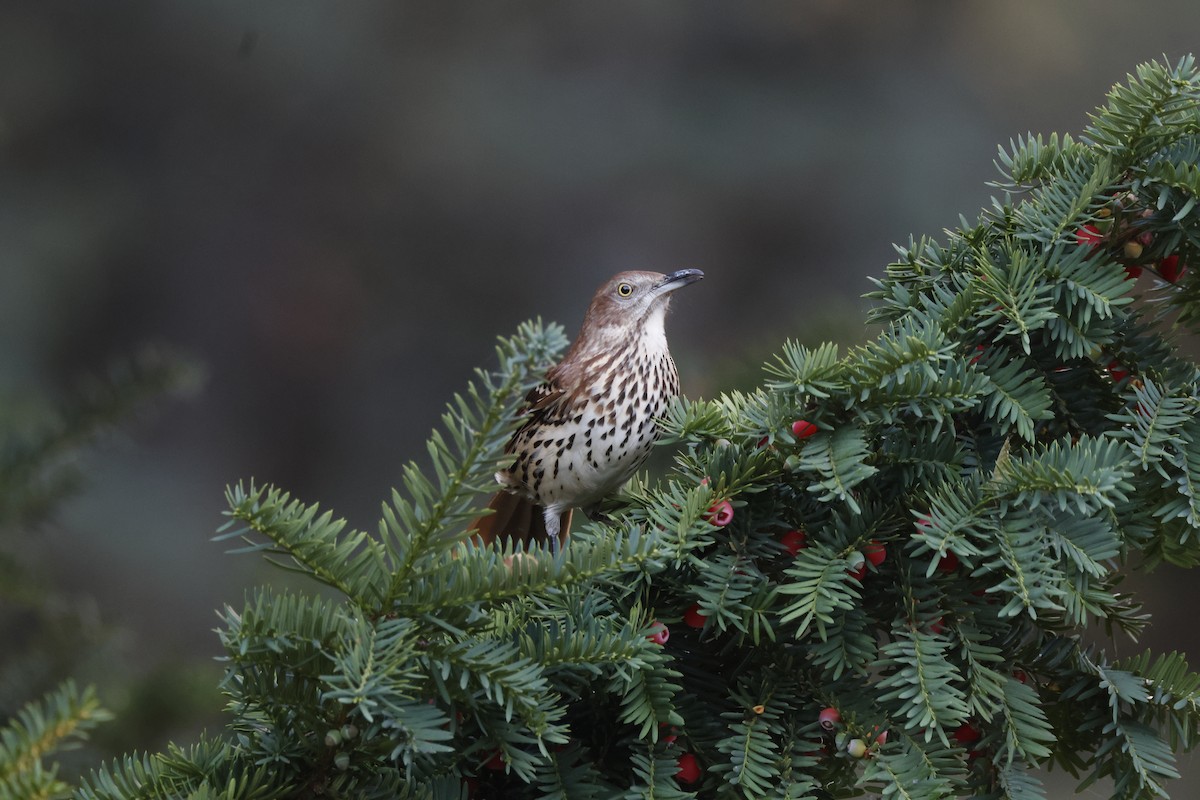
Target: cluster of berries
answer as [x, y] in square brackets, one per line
[1122, 228]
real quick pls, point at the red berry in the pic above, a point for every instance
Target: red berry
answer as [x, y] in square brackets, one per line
[967, 734]
[1089, 235]
[1021, 675]
[670, 736]
[923, 524]
[858, 572]
[660, 635]
[937, 626]
[1133, 271]
[693, 617]
[496, 762]
[978, 354]
[794, 541]
[875, 552]
[803, 429]
[720, 514]
[689, 769]
[1117, 372]
[881, 739]
[829, 718]
[763, 441]
[947, 563]
[1170, 269]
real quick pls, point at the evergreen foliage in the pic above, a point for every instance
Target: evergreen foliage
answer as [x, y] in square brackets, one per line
[971, 486]
[38, 730]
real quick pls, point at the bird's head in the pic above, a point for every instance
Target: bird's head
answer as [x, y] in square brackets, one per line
[631, 300]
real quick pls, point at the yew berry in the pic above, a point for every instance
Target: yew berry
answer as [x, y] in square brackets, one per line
[881, 739]
[693, 618]
[1117, 372]
[803, 429]
[1021, 675]
[829, 718]
[1170, 269]
[496, 762]
[857, 566]
[720, 514]
[1132, 250]
[794, 541]
[966, 734]
[670, 736]
[947, 563]
[1089, 235]
[661, 634]
[857, 748]
[1133, 271]
[689, 769]
[875, 552]
[937, 626]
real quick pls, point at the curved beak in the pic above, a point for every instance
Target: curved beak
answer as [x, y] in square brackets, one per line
[677, 280]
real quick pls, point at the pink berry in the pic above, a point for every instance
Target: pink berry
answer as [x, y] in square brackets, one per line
[881, 739]
[1170, 269]
[689, 769]
[875, 552]
[794, 541]
[661, 634]
[693, 618]
[720, 514]
[803, 429]
[829, 718]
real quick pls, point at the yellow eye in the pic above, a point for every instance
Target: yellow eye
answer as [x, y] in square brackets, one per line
[624, 289]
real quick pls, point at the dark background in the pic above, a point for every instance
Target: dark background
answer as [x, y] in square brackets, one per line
[336, 207]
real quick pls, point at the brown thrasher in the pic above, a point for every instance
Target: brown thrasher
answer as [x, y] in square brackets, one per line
[591, 424]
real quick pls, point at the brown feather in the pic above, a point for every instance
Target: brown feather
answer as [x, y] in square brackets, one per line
[516, 518]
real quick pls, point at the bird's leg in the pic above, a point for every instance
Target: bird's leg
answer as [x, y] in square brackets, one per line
[552, 515]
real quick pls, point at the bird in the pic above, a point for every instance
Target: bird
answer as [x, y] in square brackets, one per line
[588, 427]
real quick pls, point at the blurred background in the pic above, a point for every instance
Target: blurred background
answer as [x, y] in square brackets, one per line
[336, 208]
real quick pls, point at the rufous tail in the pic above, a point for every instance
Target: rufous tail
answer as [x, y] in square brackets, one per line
[516, 518]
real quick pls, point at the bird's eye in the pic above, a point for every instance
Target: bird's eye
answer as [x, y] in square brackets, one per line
[624, 289]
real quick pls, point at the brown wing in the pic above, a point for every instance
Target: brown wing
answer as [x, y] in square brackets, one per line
[517, 518]
[539, 405]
